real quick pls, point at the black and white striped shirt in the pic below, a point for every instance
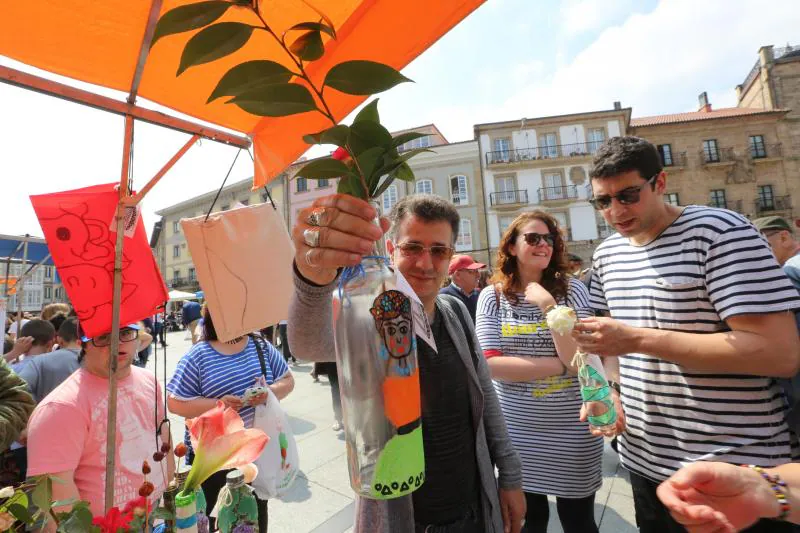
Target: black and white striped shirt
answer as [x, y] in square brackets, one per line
[707, 266]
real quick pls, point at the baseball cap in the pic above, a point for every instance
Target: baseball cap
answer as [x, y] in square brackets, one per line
[773, 222]
[461, 262]
[87, 339]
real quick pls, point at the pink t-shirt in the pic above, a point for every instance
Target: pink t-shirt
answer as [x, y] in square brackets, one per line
[67, 431]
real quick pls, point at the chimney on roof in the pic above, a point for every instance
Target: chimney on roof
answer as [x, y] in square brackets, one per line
[617, 106]
[705, 107]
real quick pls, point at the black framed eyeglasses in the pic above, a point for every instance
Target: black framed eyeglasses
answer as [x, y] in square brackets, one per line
[627, 196]
[439, 252]
[125, 335]
[533, 239]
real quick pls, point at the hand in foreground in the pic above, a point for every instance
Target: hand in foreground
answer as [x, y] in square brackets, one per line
[336, 231]
[512, 507]
[538, 296]
[21, 346]
[621, 422]
[234, 402]
[717, 497]
[605, 336]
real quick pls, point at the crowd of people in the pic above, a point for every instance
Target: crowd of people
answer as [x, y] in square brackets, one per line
[692, 309]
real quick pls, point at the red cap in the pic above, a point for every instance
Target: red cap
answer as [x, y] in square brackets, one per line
[461, 262]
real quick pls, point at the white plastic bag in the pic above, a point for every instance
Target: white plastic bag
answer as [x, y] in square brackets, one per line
[278, 464]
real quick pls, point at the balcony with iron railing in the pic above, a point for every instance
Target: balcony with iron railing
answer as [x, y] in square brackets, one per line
[718, 156]
[676, 161]
[760, 152]
[560, 193]
[508, 198]
[733, 205]
[538, 153]
[774, 203]
[184, 283]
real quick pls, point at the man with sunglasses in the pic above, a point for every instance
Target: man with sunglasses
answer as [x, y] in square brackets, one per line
[699, 313]
[464, 433]
[67, 431]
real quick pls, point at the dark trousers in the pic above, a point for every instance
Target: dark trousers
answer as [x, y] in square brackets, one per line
[653, 517]
[333, 378]
[472, 522]
[211, 488]
[576, 514]
[287, 352]
[161, 333]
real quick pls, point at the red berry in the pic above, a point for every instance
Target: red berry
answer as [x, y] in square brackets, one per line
[180, 450]
[146, 489]
[145, 468]
[158, 457]
[165, 448]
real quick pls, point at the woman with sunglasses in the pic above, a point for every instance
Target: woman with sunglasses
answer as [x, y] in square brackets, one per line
[531, 366]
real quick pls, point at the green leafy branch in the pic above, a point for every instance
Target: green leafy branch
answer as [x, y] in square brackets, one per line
[367, 159]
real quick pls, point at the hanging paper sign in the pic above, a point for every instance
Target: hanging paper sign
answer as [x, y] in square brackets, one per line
[421, 325]
[76, 227]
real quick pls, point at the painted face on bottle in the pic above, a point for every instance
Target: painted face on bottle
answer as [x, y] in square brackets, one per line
[397, 337]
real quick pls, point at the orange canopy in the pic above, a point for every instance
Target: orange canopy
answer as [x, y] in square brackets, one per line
[99, 42]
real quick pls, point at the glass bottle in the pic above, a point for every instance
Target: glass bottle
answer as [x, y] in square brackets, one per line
[376, 356]
[200, 501]
[237, 505]
[596, 395]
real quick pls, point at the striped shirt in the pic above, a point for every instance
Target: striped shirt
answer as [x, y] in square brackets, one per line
[559, 455]
[707, 266]
[205, 373]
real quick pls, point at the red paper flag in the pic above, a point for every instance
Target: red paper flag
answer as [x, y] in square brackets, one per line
[80, 232]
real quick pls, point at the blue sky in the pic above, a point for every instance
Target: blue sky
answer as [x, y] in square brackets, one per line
[509, 59]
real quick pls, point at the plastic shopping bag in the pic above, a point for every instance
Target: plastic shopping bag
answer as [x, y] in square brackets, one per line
[278, 464]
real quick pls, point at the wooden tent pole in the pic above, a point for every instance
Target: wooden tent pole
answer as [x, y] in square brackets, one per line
[113, 358]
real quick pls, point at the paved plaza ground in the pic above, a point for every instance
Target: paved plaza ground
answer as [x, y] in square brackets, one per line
[321, 500]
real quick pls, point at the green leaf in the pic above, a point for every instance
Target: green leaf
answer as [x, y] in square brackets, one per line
[250, 75]
[368, 162]
[78, 521]
[336, 135]
[326, 167]
[189, 17]
[403, 172]
[20, 513]
[367, 134]
[276, 100]
[369, 112]
[308, 46]
[411, 153]
[213, 43]
[351, 184]
[315, 26]
[43, 493]
[64, 503]
[405, 137]
[387, 181]
[362, 77]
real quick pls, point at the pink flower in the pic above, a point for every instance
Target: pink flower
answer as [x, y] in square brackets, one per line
[220, 442]
[340, 154]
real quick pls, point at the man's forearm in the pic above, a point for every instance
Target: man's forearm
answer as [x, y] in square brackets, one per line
[519, 369]
[731, 352]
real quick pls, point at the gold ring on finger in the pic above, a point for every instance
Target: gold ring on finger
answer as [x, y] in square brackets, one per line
[308, 259]
[316, 217]
[311, 237]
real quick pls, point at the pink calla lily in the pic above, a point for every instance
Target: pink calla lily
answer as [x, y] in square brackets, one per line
[220, 441]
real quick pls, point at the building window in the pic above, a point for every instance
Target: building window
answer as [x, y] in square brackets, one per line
[502, 149]
[424, 187]
[766, 198]
[718, 199]
[548, 145]
[246, 201]
[505, 222]
[506, 189]
[597, 137]
[176, 275]
[302, 185]
[175, 227]
[48, 272]
[665, 150]
[323, 183]
[421, 142]
[757, 148]
[464, 241]
[671, 198]
[710, 151]
[458, 190]
[554, 188]
[226, 207]
[192, 275]
[389, 198]
[176, 251]
[48, 292]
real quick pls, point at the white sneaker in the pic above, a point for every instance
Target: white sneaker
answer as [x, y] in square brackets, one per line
[337, 426]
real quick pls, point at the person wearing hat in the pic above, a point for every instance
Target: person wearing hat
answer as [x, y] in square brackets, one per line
[464, 274]
[67, 431]
[780, 236]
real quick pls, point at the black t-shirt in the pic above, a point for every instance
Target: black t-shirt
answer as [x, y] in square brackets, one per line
[448, 434]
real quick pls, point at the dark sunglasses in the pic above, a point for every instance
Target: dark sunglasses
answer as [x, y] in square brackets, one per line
[533, 239]
[627, 196]
[439, 252]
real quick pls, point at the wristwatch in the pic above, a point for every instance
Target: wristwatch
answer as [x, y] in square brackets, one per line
[615, 385]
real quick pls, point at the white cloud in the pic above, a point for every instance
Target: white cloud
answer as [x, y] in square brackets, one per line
[579, 16]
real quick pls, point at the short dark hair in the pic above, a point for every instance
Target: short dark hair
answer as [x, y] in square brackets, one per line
[427, 207]
[209, 333]
[42, 331]
[69, 329]
[57, 320]
[624, 154]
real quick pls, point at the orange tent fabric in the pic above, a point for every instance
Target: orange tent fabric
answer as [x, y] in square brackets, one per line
[99, 42]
